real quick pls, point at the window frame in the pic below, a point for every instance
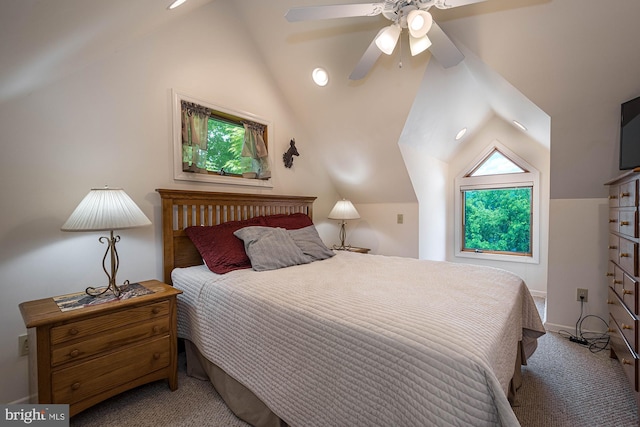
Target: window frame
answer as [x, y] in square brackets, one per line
[179, 174]
[529, 178]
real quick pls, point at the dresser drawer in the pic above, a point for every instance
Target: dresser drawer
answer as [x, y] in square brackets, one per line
[628, 195]
[112, 339]
[625, 320]
[628, 256]
[630, 293]
[614, 247]
[118, 319]
[86, 379]
[627, 358]
[614, 196]
[628, 222]
[617, 283]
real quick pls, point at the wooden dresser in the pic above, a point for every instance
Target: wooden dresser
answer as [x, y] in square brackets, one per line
[84, 356]
[622, 274]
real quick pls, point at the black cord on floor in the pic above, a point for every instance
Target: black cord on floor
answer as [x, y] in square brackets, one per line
[594, 340]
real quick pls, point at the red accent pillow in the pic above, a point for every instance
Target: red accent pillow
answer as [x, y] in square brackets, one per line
[293, 221]
[221, 251]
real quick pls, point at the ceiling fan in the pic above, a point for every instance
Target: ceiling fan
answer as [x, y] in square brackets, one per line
[414, 15]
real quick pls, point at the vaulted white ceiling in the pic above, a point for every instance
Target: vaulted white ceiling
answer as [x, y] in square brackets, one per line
[555, 53]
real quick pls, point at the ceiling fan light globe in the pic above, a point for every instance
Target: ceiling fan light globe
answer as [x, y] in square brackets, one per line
[418, 45]
[419, 22]
[387, 39]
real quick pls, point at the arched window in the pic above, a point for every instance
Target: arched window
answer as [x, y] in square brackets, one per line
[497, 208]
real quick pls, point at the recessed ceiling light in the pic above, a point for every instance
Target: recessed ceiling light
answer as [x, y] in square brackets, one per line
[520, 125]
[176, 3]
[320, 76]
[460, 134]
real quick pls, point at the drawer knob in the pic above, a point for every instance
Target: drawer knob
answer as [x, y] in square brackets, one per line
[75, 386]
[617, 282]
[627, 292]
[626, 326]
[611, 331]
[156, 329]
[611, 220]
[624, 255]
[626, 361]
[74, 353]
[155, 310]
[73, 331]
[624, 222]
[609, 274]
[613, 247]
[622, 195]
[613, 197]
[156, 355]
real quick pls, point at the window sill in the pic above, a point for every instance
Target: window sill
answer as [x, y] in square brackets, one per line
[498, 257]
[220, 179]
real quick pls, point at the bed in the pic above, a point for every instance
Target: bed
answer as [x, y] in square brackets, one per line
[350, 340]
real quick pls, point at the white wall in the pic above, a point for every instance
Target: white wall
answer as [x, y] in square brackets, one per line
[579, 261]
[535, 275]
[378, 229]
[429, 179]
[110, 123]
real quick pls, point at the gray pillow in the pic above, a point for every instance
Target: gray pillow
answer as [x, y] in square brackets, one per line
[270, 248]
[308, 240]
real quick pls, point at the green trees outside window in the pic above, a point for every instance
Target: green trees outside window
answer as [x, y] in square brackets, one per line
[224, 147]
[498, 220]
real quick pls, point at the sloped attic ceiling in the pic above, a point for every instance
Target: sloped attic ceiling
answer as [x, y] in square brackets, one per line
[45, 40]
[466, 96]
[355, 125]
[575, 59]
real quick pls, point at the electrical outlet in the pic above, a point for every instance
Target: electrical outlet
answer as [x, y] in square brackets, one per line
[400, 219]
[582, 295]
[23, 345]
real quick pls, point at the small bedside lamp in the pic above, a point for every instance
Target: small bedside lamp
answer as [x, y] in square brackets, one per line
[343, 210]
[101, 210]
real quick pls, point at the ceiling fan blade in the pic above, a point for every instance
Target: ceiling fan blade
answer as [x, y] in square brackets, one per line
[443, 49]
[448, 4]
[310, 13]
[369, 58]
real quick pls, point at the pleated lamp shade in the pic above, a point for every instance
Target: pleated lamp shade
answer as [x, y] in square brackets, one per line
[106, 209]
[343, 210]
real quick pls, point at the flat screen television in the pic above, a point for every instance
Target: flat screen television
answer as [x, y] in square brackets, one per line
[630, 134]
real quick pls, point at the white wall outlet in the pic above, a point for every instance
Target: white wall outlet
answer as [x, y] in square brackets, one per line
[23, 345]
[582, 295]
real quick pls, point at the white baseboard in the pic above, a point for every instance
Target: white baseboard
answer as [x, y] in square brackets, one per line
[21, 401]
[540, 294]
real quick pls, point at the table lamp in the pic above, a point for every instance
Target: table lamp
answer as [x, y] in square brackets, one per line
[343, 210]
[106, 209]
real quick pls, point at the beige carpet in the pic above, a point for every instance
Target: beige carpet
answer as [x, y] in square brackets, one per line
[565, 384]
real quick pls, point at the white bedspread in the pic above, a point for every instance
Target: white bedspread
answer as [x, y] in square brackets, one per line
[365, 340]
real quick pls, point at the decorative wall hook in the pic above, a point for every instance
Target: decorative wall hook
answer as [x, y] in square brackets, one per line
[287, 157]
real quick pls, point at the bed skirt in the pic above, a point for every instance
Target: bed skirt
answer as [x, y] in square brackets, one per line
[249, 408]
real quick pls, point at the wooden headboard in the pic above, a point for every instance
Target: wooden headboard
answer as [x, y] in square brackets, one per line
[185, 208]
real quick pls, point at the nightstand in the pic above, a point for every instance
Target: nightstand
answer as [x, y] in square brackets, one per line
[84, 356]
[353, 249]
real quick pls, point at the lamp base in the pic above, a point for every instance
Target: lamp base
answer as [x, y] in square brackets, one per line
[341, 247]
[112, 253]
[117, 290]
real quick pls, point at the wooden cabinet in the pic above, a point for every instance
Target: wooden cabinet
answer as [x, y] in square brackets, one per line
[622, 275]
[83, 356]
